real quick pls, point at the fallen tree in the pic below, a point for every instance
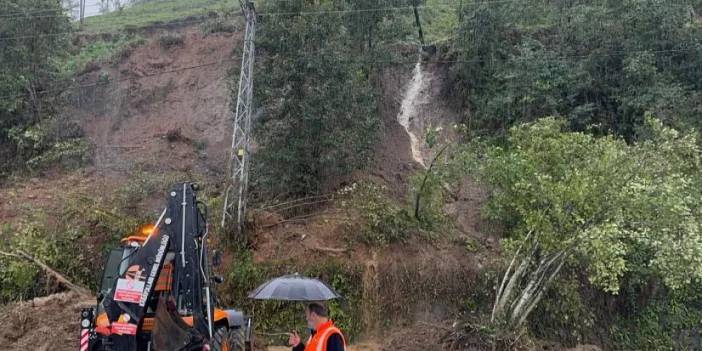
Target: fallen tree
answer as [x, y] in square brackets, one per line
[21, 255]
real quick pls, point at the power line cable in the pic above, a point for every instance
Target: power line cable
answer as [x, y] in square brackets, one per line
[362, 61]
[151, 75]
[118, 26]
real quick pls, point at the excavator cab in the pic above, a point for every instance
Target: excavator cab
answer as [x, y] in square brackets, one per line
[115, 265]
[155, 291]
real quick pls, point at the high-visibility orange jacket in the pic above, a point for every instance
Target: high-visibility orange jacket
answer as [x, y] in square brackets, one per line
[319, 341]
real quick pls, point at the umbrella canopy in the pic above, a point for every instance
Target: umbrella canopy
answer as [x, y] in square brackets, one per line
[294, 287]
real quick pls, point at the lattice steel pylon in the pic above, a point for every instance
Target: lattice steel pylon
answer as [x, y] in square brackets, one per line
[235, 198]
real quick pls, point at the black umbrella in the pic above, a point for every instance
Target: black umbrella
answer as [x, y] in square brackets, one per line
[294, 287]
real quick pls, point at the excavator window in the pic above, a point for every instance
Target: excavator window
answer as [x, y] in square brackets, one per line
[111, 272]
[117, 263]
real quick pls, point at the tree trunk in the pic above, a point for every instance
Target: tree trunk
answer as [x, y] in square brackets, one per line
[521, 290]
[506, 295]
[424, 181]
[500, 291]
[538, 296]
[419, 24]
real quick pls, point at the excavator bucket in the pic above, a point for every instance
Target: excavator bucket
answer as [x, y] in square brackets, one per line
[171, 332]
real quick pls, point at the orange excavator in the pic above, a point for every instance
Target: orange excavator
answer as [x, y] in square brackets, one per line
[155, 292]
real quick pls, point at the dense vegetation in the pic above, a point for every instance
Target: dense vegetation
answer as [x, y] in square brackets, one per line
[597, 203]
[599, 64]
[33, 134]
[618, 212]
[320, 119]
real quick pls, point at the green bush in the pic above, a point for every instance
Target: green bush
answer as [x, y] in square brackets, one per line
[565, 316]
[666, 322]
[220, 24]
[169, 40]
[383, 221]
[69, 154]
[18, 280]
[55, 140]
[427, 198]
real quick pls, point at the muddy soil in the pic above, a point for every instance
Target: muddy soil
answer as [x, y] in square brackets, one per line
[43, 324]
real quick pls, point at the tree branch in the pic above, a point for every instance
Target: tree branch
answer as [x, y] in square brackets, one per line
[59, 277]
[424, 181]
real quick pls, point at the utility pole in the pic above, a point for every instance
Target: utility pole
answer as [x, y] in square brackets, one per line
[235, 198]
[81, 9]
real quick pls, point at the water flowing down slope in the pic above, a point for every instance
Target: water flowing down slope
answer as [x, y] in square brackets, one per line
[408, 110]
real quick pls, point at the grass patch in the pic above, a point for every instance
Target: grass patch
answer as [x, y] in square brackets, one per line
[219, 25]
[440, 19]
[154, 12]
[98, 51]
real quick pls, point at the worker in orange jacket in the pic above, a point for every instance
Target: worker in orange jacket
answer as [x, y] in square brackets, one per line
[325, 336]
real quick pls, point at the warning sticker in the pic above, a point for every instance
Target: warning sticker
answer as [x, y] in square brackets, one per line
[129, 290]
[124, 328]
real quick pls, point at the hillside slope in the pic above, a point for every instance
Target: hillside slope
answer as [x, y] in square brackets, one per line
[163, 113]
[161, 109]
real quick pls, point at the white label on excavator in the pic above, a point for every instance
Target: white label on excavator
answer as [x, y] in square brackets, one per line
[129, 290]
[154, 270]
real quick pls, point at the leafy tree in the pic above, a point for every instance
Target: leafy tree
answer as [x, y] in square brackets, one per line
[33, 36]
[599, 203]
[482, 41]
[31, 44]
[314, 82]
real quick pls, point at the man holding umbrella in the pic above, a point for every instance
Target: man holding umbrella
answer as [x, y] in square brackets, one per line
[325, 336]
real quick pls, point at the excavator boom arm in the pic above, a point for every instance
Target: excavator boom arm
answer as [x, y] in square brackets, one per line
[177, 238]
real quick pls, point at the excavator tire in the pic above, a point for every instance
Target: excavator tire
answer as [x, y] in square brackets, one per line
[228, 339]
